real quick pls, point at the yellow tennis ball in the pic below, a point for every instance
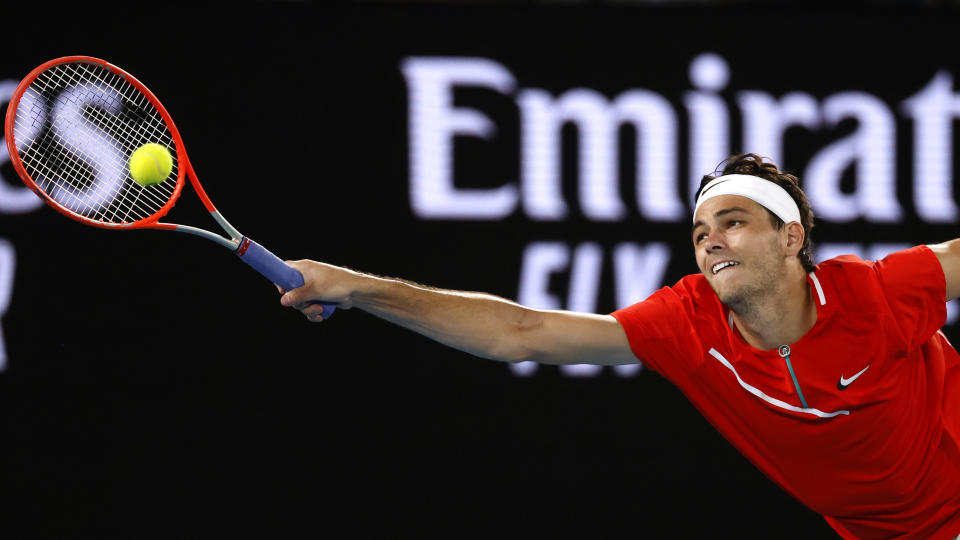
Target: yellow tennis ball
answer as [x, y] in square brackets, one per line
[150, 164]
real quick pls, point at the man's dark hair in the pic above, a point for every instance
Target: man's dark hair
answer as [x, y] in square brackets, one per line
[754, 165]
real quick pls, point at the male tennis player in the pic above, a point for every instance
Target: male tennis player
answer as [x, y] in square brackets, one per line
[833, 380]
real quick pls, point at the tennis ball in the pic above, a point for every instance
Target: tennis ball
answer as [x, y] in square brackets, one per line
[150, 164]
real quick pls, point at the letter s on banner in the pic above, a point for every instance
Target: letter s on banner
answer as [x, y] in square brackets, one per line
[15, 198]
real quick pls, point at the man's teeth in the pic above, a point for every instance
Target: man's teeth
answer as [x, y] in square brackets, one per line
[720, 266]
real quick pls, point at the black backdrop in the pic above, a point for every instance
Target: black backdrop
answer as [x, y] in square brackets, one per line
[154, 385]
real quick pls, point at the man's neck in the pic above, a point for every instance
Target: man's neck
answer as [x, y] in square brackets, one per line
[779, 318]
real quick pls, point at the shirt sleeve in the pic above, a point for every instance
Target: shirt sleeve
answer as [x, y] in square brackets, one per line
[653, 327]
[915, 288]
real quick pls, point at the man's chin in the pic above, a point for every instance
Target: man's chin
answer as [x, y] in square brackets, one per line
[729, 298]
[720, 287]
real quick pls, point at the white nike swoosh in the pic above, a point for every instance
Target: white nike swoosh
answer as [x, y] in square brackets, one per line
[846, 382]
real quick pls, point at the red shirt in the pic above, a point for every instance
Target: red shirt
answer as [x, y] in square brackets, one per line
[878, 458]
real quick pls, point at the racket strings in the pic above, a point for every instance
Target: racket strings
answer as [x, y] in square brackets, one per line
[78, 172]
[75, 128]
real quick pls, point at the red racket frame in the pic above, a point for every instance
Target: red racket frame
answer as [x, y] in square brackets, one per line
[184, 168]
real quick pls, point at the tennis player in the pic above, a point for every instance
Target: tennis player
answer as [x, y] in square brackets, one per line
[833, 379]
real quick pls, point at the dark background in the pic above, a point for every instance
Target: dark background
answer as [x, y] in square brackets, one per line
[155, 386]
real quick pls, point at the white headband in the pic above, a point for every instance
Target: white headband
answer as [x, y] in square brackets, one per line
[763, 192]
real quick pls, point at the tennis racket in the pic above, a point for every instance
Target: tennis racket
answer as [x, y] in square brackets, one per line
[71, 128]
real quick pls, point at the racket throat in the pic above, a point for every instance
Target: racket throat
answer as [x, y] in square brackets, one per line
[222, 221]
[233, 243]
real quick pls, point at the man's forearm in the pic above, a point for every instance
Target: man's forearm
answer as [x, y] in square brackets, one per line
[478, 323]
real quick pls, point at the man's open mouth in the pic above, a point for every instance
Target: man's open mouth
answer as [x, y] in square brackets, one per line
[721, 265]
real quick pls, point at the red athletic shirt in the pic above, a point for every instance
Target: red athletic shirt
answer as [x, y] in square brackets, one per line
[878, 458]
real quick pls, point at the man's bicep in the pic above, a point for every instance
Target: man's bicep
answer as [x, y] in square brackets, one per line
[583, 338]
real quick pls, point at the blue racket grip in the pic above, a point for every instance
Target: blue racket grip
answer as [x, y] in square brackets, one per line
[274, 269]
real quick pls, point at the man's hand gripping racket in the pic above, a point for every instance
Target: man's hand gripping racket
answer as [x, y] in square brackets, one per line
[71, 128]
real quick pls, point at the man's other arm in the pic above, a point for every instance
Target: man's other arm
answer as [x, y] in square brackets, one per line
[949, 255]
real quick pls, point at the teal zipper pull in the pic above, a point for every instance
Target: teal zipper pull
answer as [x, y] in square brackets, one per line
[785, 354]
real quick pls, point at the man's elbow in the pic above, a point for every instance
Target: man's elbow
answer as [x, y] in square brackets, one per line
[521, 340]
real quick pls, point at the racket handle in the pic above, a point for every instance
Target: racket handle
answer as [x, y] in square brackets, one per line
[274, 269]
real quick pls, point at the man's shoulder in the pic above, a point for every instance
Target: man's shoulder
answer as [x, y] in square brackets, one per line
[844, 271]
[695, 291]
[691, 294]
[689, 307]
[694, 285]
[852, 281]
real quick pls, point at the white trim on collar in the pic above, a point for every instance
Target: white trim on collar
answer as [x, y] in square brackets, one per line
[816, 284]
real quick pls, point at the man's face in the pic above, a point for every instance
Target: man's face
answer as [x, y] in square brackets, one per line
[738, 249]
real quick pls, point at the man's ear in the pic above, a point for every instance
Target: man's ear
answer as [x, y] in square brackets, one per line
[794, 236]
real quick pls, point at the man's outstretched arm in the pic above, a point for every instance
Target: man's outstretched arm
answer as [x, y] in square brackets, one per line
[480, 324]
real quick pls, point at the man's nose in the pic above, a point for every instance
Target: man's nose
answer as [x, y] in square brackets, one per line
[714, 241]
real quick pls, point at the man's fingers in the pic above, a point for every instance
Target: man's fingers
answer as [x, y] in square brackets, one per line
[290, 299]
[313, 312]
[311, 309]
[315, 287]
